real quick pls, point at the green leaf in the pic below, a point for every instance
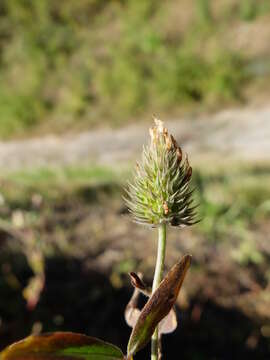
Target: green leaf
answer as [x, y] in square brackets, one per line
[61, 346]
[158, 306]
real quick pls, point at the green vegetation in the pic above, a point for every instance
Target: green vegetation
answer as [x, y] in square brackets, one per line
[68, 65]
[216, 191]
[55, 183]
[74, 175]
[250, 9]
[233, 198]
[233, 205]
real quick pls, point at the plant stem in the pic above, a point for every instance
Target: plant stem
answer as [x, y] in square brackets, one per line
[157, 280]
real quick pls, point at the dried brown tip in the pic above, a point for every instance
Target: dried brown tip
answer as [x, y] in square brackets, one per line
[136, 281]
[188, 169]
[168, 141]
[179, 154]
[174, 142]
[189, 173]
[186, 160]
[165, 208]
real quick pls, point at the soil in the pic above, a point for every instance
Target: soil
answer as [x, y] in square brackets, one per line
[223, 308]
[85, 301]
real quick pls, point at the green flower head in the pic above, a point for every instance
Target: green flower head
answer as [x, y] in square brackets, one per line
[160, 191]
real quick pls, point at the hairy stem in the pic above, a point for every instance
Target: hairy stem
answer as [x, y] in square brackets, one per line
[157, 280]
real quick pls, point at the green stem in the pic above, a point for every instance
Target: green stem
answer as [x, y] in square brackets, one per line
[157, 280]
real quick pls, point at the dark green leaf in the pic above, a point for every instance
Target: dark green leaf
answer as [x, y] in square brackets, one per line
[61, 346]
[158, 306]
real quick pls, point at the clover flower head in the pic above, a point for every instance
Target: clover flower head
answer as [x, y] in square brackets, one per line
[160, 191]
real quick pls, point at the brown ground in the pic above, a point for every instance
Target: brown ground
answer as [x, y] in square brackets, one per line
[223, 308]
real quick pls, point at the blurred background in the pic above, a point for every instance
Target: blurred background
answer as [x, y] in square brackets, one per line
[79, 84]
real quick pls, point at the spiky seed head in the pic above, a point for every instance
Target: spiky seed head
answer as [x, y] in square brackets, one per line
[160, 191]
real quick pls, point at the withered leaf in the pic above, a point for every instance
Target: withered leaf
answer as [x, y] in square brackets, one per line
[169, 323]
[132, 312]
[158, 306]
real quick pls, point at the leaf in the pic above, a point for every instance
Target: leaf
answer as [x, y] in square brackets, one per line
[158, 306]
[61, 346]
[131, 316]
[169, 323]
[132, 312]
